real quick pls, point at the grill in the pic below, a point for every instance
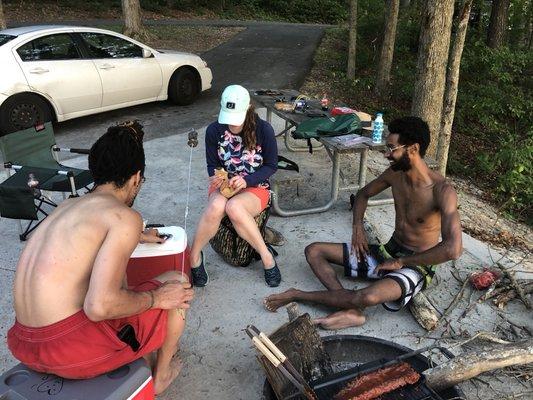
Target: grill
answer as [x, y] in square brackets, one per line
[352, 355]
[326, 388]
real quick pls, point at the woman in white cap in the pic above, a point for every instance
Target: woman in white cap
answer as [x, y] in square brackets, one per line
[245, 147]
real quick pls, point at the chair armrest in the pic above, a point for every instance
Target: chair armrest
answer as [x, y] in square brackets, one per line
[71, 150]
[9, 165]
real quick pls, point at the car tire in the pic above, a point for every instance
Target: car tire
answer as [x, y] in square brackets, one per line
[23, 111]
[183, 88]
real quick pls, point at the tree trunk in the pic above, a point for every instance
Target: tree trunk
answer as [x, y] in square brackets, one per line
[431, 66]
[352, 40]
[133, 26]
[405, 3]
[2, 18]
[387, 48]
[499, 20]
[452, 83]
[469, 365]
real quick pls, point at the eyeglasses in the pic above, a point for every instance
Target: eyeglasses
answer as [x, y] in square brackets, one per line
[143, 179]
[392, 149]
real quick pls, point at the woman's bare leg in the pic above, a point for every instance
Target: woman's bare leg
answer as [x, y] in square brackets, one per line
[241, 210]
[208, 225]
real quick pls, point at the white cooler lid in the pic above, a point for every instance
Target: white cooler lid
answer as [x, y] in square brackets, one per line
[174, 245]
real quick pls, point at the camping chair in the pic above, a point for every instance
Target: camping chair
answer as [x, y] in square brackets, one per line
[30, 155]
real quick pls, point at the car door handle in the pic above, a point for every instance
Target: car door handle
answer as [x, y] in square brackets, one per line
[107, 66]
[38, 70]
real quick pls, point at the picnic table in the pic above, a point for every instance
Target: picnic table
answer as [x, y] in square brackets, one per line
[337, 147]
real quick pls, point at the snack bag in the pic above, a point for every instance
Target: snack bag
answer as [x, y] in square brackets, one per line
[225, 189]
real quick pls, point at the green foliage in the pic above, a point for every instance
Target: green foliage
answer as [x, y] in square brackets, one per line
[322, 11]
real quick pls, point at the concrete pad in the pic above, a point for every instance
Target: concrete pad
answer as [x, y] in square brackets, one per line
[219, 359]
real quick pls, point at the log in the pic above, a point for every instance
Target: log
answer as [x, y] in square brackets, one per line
[469, 365]
[424, 312]
[302, 345]
[515, 285]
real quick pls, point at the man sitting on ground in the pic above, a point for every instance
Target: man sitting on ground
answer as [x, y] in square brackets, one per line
[75, 316]
[426, 208]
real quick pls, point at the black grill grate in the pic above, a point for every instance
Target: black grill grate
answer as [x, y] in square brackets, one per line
[326, 388]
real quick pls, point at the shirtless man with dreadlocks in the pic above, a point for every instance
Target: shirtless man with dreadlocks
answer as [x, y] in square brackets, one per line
[75, 316]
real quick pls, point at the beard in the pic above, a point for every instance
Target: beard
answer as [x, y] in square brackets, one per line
[403, 164]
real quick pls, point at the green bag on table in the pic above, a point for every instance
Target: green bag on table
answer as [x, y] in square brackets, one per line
[316, 128]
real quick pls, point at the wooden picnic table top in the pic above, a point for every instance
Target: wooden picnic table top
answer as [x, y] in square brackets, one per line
[267, 98]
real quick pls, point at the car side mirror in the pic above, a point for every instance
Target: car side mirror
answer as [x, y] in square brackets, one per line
[147, 53]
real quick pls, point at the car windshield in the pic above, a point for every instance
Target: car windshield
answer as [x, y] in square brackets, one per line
[5, 38]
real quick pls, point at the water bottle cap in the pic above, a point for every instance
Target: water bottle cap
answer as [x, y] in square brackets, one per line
[379, 114]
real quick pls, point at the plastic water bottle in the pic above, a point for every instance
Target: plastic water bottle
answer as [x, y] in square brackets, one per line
[33, 183]
[377, 133]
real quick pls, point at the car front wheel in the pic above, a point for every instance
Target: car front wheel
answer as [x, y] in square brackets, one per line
[183, 88]
[23, 111]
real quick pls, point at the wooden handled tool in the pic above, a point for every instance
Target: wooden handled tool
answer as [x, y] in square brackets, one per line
[260, 337]
[275, 362]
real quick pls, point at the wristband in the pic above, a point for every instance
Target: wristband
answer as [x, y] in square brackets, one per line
[151, 299]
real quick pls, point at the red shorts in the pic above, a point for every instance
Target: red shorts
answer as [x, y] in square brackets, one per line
[78, 348]
[261, 193]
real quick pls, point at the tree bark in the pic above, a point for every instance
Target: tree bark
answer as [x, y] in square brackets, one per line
[2, 18]
[452, 84]
[133, 26]
[431, 66]
[469, 365]
[387, 48]
[499, 20]
[352, 39]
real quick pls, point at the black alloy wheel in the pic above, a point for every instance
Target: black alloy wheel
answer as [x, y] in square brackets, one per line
[23, 111]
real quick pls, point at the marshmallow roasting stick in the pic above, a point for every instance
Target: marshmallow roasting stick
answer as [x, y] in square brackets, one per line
[260, 338]
[192, 141]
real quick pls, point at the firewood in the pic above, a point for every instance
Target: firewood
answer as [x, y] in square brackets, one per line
[424, 312]
[302, 345]
[469, 365]
[503, 298]
[516, 286]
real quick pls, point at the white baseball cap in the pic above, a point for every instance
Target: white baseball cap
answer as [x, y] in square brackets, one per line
[234, 104]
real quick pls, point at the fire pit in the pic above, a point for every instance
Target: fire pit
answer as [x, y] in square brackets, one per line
[349, 351]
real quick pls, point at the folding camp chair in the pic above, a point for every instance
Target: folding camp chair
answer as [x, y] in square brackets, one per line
[31, 155]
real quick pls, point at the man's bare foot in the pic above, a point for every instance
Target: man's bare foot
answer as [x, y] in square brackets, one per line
[275, 301]
[341, 319]
[163, 379]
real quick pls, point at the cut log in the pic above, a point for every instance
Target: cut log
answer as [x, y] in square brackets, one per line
[469, 365]
[424, 312]
[302, 345]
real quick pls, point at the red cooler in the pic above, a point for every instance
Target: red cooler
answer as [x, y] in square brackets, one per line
[152, 259]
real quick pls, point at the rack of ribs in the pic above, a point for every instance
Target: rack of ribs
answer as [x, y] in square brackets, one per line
[373, 384]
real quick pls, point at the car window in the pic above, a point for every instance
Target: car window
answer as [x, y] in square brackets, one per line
[5, 38]
[51, 47]
[107, 46]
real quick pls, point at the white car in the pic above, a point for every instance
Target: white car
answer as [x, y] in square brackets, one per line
[62, 72]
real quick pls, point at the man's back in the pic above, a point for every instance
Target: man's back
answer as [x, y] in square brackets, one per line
[54, 270]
